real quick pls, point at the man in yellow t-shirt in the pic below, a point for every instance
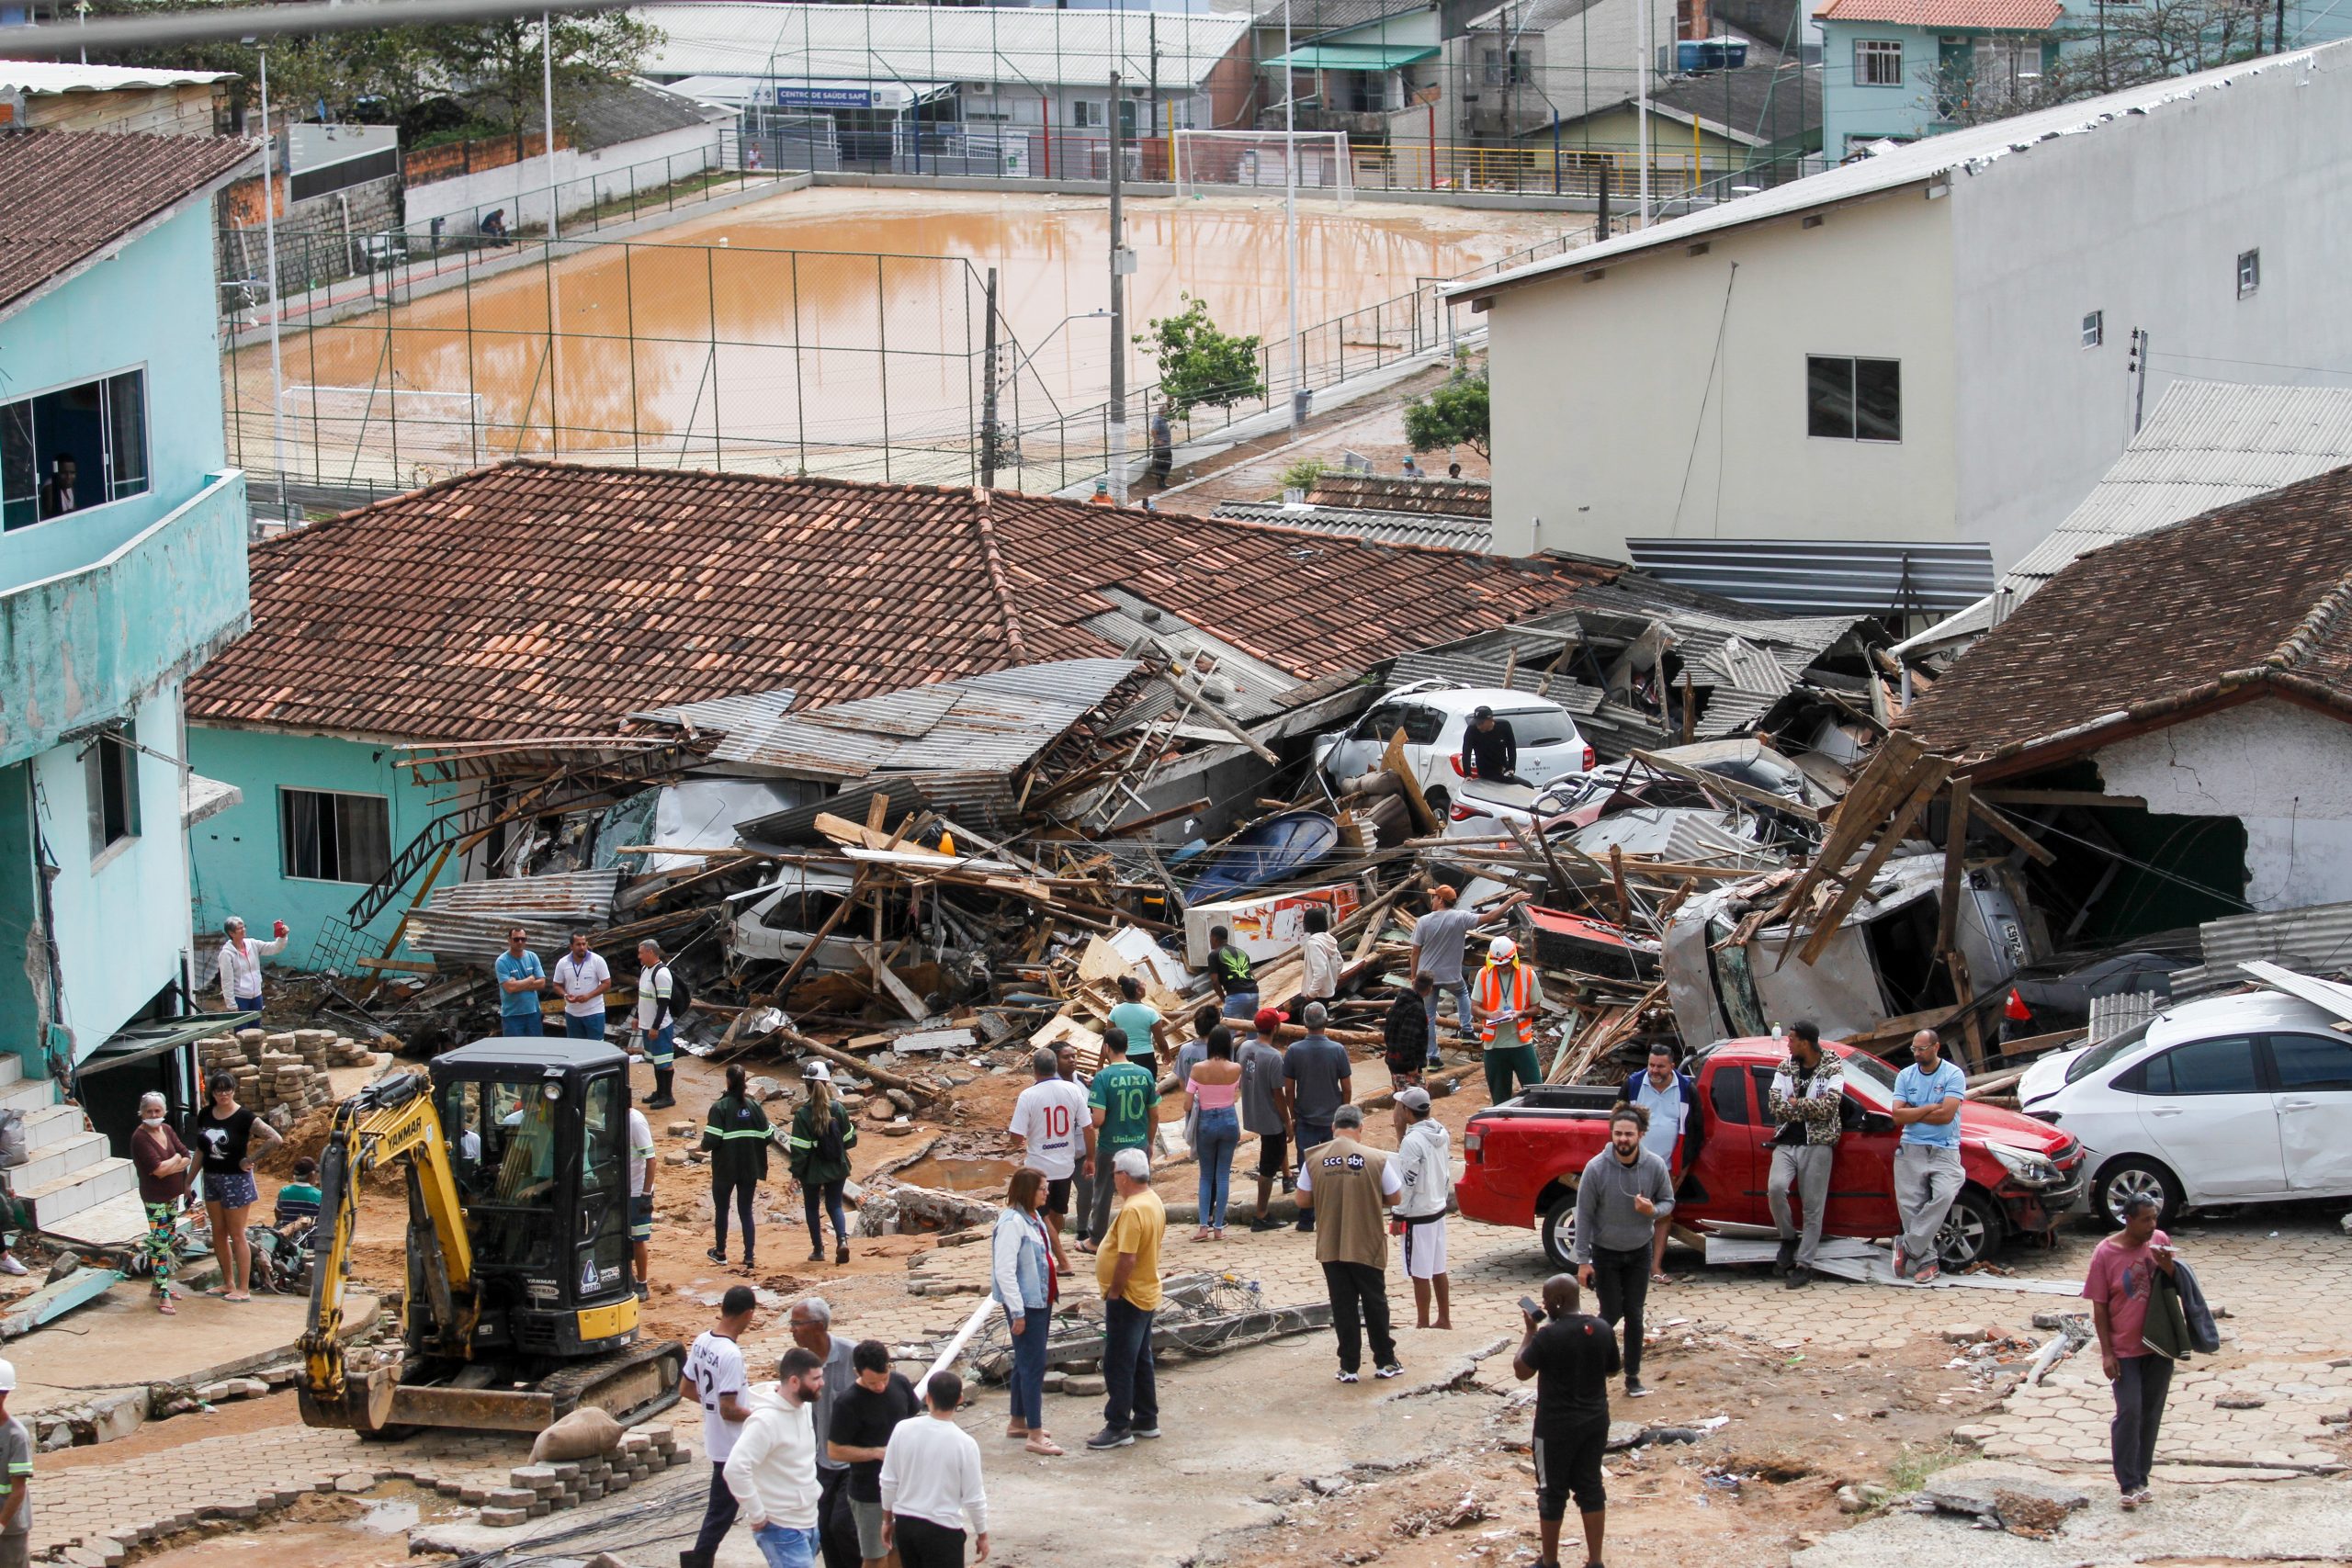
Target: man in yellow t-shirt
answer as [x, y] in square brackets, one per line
[1127, 1267]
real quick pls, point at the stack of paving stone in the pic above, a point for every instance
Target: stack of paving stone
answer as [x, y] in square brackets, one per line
[284, 1071]
[535, 1491]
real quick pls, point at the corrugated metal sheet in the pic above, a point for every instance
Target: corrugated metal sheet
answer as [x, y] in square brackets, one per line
[1730, 712]
[2317, 939]
[726, 713]
[583, 895]
[464, 936]
[2111, 1016]
[1823, 577]
[1375, 527]
[2207, 445]
[1259, 688]
[1748, 667]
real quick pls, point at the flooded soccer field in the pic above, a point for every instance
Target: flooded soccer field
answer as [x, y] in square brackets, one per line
[839, 331]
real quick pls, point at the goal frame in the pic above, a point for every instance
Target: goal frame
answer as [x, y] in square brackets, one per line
[1340, 188]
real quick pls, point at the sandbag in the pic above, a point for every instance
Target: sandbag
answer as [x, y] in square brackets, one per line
[583, 1434]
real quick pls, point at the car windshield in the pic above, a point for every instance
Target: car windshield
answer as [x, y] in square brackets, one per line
[2107, 1051]
[1869, 1077]
[1540, 727]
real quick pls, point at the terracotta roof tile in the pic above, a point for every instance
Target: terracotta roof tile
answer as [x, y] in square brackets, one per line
[1424, 497]
[537, 599]
[68, 195]
[1992, 16]
[2241, 599]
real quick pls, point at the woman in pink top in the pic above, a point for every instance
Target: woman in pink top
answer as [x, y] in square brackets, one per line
[1213, 1088]
[2121, 1278]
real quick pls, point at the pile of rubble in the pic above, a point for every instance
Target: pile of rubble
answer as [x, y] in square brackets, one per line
[282, 1077]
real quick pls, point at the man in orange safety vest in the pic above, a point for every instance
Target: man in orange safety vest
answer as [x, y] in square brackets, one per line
[1505, 1000]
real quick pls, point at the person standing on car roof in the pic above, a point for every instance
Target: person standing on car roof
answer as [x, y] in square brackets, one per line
[1807, 1098]
[1672, 1100]
[1624, 1188]
[1927, 1175]
[1507, 996]
[1489, 750]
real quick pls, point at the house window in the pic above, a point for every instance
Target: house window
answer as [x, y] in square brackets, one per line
[1853, 399]
[110, 779]
[72, 448]
[2008, 62]
[1506, 67]
[2093, 329]
[1878, 63]
[1089, 114]
[330, 837]
[2249, 272]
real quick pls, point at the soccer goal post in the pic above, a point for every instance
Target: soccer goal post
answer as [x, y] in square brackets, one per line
[1264, 160]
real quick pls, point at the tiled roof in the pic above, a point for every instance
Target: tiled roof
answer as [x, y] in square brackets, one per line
[1395, 492]
[68, 195]
[2244, 597]
[539, 599]
[1992, 16]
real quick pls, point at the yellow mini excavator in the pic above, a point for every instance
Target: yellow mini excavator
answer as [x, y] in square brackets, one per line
[519, 1307]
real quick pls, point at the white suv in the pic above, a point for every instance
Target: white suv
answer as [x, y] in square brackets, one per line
[1434, 717]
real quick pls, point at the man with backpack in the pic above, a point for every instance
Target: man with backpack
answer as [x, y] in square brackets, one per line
[660, 997]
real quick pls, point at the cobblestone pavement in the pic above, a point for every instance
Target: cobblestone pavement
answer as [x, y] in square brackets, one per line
[2271, 1274]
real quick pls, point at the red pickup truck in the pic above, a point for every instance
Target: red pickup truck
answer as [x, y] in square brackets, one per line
[1521, 1158]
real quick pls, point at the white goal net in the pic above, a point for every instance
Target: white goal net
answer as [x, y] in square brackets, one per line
[417, 425]
[1264, 160]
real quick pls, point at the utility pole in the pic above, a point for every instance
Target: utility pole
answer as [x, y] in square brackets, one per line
[2137, 365]
[1290, 225]
[276, 309]
[1122, 262]
[988, 391]
[1641, 109]
[547, 114]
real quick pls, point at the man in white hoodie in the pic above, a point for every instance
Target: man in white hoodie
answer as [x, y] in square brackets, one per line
[772, 1470]
[1427, 1167]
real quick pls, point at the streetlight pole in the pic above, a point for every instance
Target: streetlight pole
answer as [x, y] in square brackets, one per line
[1641, 109]
[1290, 224]
[1120, 263]
[547, 114]
[276, 309]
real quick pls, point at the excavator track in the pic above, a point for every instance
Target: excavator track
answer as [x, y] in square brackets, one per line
[631, 1384]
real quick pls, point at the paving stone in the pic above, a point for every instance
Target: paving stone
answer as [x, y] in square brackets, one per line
[503, 1519]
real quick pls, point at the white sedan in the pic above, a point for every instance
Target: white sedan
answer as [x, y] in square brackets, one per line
[2231, 1099]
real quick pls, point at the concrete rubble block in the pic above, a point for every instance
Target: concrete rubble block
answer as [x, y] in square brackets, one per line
[1082, 1385]
[116, 1415]
[1985, 1497]
[110, 1551]
[233, 1388]
[355, 1480]
[1623, 1435]
[1962, 1333]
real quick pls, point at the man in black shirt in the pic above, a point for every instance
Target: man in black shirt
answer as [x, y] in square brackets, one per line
[1572, 1357]
[863, 1420]
[1489, 750]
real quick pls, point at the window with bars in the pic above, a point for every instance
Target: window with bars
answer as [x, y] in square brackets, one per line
[1878, 63]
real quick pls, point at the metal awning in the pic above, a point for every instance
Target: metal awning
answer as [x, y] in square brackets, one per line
[138, 1042]
[1824, 577]
[1354, 56]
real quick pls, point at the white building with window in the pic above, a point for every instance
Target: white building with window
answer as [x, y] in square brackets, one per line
[1928, 353]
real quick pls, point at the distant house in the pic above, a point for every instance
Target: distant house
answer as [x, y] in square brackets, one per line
[1925, 351]
[58, 95]
[1898, 69]
[2192, 689]
[541, 600]
[122, 568]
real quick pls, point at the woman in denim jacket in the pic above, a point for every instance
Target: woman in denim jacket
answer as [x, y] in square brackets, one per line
[1020, 1256]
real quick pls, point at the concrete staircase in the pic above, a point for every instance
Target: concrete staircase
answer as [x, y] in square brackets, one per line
[68, 1171]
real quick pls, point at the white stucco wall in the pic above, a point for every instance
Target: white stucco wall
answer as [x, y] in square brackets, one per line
[584, 179]
[2143, 219]
[2284, 771]
[1598, 387]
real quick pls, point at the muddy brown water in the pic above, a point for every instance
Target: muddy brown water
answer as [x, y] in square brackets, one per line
[826, 318]
[957, 1175]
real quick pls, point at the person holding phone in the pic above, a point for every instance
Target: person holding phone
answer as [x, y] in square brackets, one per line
[1571, 1357]
[2118, 1284]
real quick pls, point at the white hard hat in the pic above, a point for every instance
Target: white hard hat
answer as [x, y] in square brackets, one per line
[816, 1072]
[1502, 947]
[8, 1377]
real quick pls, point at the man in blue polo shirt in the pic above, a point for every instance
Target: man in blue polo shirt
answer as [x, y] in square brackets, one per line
[520, 983]
[1927, 1096]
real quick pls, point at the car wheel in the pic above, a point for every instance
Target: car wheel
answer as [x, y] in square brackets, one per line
[1971, 1232]
[2135, 1177]
[1559, 1231]
[1441, 800]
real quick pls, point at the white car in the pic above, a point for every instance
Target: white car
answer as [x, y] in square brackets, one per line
[1434, 717]
[2231, 1099]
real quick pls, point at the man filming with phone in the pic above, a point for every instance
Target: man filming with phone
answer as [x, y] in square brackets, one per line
[1571, 1357]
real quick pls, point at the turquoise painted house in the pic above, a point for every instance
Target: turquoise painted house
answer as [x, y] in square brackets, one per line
[122, 568]
[1899, 69]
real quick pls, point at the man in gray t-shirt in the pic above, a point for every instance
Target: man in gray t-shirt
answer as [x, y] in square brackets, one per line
[17, 1465]
[1265, 1109]
[1318, 1071]
[1439, 939]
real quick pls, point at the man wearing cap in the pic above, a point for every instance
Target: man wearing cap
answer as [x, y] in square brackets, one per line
[1127, 1269]
[1506, 1000]
[1489, 750]
[17, 1457]
[1265, 1110]
[1321, 1076]
[1352, 1189]
[1122, 1101]
[1424, 1164]
[1439, 940]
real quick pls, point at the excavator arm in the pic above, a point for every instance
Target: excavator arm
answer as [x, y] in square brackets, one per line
[392, 1120]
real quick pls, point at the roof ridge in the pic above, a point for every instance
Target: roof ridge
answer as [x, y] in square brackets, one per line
[999, 583]
[2317, 622]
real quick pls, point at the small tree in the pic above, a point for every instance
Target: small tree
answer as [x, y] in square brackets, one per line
[1199, 365]
[1453, 414]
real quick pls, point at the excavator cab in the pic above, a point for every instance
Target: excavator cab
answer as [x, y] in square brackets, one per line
[519, 1308]
[537, 1134]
